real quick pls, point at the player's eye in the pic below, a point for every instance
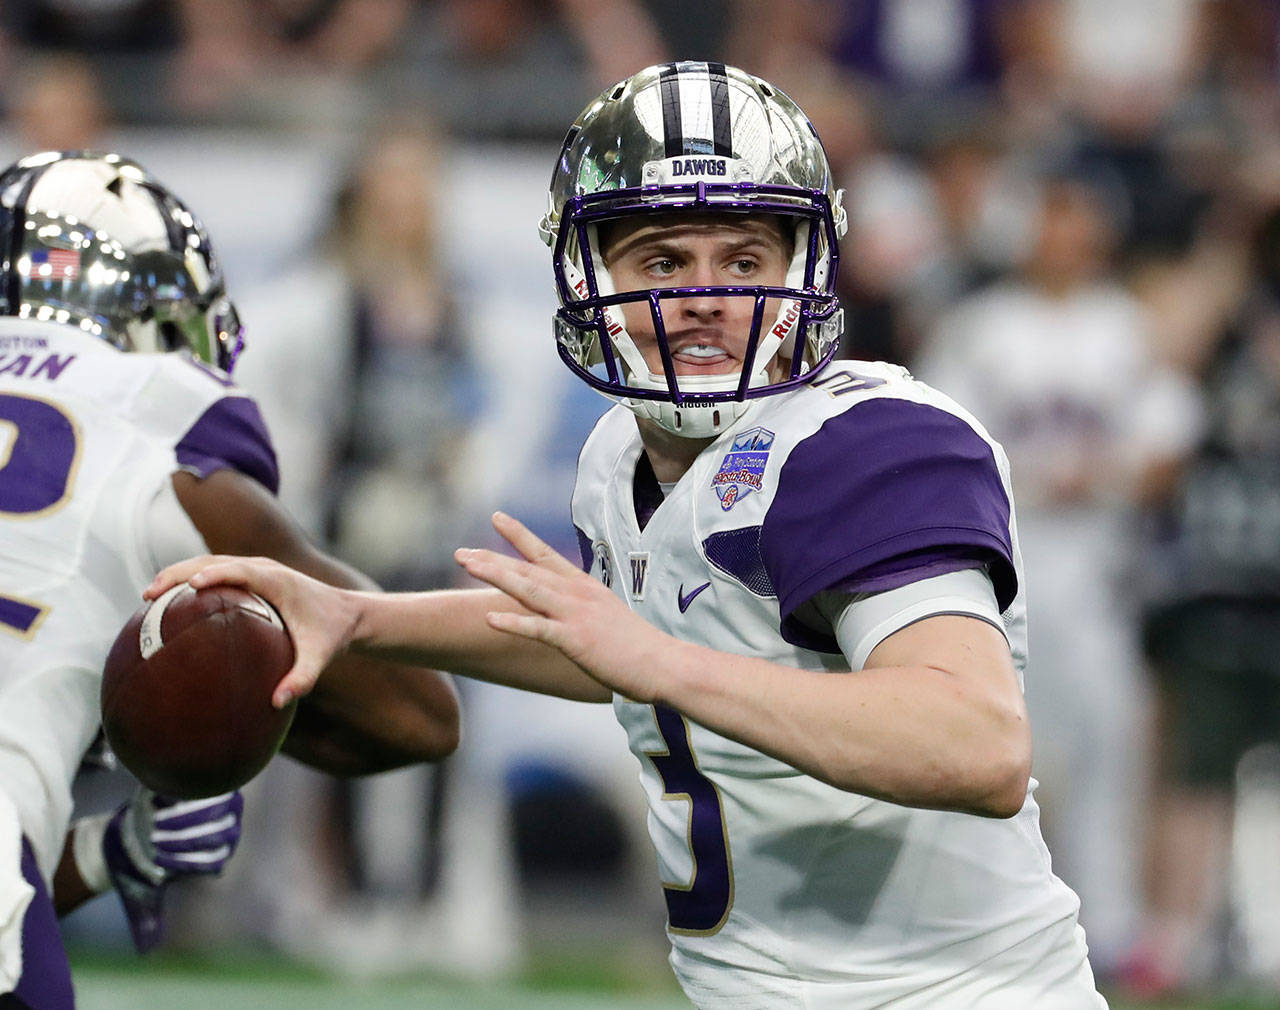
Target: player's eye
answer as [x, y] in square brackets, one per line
[664, 267]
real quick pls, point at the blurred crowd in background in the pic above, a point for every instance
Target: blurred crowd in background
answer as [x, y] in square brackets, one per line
[1064, 213]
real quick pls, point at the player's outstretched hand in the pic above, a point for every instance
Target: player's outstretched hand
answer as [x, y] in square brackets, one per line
[153, 840]
[571, 612]
[319, 617]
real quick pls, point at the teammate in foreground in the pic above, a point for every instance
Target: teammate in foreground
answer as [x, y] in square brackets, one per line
[803, 591]
[116, 462]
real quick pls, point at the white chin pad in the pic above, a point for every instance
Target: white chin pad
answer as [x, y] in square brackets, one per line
[702, 420]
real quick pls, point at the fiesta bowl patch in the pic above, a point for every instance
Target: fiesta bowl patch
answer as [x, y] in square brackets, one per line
[742, 469]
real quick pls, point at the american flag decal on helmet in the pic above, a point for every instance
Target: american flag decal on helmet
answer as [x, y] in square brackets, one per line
[55, 264]
[696, 117]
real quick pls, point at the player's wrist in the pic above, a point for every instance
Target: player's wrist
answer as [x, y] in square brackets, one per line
[358, 606]
[682, 671]
[87, 836]
[134, 823]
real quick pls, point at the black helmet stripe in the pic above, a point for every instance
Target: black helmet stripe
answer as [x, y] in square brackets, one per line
[164, 207]
[721, 120]
[672, 128]
[691, 138]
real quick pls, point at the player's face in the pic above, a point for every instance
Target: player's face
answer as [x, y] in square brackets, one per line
[706, 335]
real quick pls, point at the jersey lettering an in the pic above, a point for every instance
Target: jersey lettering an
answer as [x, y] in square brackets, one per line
[89, 436]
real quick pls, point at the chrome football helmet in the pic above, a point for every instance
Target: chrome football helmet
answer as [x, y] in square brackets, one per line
[693, 138]
[95, 241]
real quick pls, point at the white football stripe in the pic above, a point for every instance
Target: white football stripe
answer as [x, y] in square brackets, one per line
[149, 638]
[262, 608]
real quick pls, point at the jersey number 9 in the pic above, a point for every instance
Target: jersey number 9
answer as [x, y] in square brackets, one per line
[39, 447]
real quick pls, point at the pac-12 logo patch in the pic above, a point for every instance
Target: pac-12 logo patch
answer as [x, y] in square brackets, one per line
[742, 469]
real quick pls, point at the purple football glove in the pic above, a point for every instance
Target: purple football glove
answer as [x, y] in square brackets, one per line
[152, 840]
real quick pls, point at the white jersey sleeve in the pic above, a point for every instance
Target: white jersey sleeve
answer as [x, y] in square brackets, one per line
[860, 623]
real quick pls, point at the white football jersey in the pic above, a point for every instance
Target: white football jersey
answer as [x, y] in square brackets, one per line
[783, 891]
[89, 439]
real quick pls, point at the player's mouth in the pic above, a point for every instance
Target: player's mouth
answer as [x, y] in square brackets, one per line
[702, 356]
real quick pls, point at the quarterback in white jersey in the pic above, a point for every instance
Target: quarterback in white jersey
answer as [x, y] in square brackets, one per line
[114, 463]
[802, 591]
[886, 502]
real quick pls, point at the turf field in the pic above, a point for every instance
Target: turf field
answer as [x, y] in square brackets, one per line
[251, 983]
[248, 983]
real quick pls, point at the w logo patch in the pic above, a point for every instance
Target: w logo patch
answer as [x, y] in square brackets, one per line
[639, 561]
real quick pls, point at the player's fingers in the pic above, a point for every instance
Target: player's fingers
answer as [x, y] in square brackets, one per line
[531, 546]
[176, 574]
[523, 582]
[309, 661]
[213, 570]
[197, 837]
[174, 814]
[526, 625]
[203, 861]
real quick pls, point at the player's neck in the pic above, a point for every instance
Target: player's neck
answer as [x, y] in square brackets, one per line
[669, 455]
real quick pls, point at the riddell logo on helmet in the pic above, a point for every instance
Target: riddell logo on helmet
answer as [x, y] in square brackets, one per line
[699, 166]
[783, 326]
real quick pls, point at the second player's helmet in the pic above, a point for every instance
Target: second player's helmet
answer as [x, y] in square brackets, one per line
[94, 240]
[693, 137]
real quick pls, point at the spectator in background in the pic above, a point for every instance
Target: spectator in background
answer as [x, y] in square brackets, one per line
[93, 27]
[230, 48]
[413, 393]
[923, 234]
[58, 104]
[374, 396]
[369, 388]
[123, 45]
[1128, 90]
[1057, 363]
[924, 65]
[1211, 635]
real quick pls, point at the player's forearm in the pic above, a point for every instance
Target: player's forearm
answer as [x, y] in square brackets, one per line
[913, 735]
[448, 630]
[69, 888]
[369, 715]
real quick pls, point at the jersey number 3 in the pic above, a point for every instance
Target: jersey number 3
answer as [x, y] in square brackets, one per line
[701, 907]
[39, 447]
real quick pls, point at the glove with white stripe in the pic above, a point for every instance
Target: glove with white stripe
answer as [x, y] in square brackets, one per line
[152, 840]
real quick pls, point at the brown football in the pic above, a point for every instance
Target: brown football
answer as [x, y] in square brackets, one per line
[186, 690]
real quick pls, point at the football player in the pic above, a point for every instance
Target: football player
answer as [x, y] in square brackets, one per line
[802, 589]
[126, 446]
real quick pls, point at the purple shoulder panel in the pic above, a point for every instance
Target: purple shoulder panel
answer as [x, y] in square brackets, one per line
[231, 435]
[883, 494]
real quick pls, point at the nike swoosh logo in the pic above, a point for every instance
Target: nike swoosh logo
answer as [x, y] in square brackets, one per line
[686, 600]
